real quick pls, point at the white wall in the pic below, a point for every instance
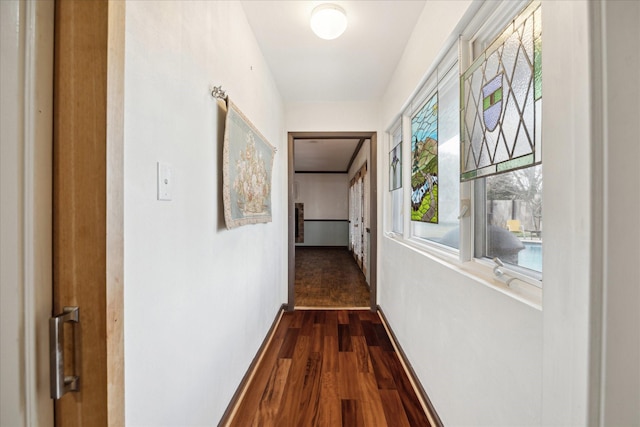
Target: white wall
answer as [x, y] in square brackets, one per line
[332, 117]
[477, 352]
[325, 195]
[486, 359]
[422, 49]
[591, 298]
[199, 299]
[567, 197]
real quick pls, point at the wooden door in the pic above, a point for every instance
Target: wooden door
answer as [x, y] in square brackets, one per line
[88, 205]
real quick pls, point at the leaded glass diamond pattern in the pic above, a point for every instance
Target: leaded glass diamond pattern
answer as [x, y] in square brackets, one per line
[501, 101]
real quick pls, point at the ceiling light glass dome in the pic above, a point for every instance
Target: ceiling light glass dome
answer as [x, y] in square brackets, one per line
[328, 21]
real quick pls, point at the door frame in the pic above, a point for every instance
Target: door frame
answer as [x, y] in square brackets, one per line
[373, 209]
[88, 203]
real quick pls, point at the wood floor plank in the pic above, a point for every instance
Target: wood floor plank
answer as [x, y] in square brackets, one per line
[343, 317]
[330, 407]
[253, 394]
[351, 413]
[369, 333]
[355, 326]
[283, 325]
[330, 355]
[319, 317]
[307, 323]
[272, 396]
[384, 376]
[393, 409]
[296, 319]
[289, 344]
[370, 316]
[383, 338]
[317, 338]
[287, 413]
[331, 324]
[344, 338]
[330, 368]
[412, 406]
[361, 351]
[372, 406]
[309, 407]
[348, 381]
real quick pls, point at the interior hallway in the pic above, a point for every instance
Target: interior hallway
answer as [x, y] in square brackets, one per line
[487, 354]
[329, 277]
[330, 368]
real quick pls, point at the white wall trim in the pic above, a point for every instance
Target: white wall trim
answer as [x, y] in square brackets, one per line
[28, 262]
[598, 122]
[37, 199]
[615, 381]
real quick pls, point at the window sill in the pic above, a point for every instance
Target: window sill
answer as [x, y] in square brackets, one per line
[519, 289]
[477, 270]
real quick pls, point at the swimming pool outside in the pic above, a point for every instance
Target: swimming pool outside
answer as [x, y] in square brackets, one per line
[531, 256]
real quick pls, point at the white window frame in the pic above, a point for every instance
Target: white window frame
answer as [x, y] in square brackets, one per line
[488, 21]
[484, 28]
[393, 130]
[448, 59]
[446, 63]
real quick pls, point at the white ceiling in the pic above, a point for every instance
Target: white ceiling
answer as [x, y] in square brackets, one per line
[324, 155]
[357, 66]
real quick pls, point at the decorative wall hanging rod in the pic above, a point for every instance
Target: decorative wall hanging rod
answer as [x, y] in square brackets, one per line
[219, 93]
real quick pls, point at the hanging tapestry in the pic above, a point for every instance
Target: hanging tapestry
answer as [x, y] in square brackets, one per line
[395, 167]
[247, 166]
[501, 101]
[424, 163]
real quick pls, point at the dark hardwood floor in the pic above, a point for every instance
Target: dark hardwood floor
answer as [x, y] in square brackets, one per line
[330, 368]
[329, 277]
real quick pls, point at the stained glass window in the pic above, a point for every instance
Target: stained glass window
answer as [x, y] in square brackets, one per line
[395, 163]
[501, 101]
[424, 163]
[395, 180]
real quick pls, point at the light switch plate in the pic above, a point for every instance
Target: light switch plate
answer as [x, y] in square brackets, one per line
[165, 181]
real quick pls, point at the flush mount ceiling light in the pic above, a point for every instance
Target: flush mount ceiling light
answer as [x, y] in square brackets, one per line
[328, 21]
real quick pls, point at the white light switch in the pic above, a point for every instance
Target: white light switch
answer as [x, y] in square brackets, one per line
[165, 183]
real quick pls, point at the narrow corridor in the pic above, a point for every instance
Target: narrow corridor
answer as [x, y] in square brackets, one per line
[330, 368]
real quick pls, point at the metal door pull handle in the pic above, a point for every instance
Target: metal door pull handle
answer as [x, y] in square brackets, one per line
[60, 384]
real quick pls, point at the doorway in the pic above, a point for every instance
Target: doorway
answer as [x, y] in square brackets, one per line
[294, 219]
[58, 142]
